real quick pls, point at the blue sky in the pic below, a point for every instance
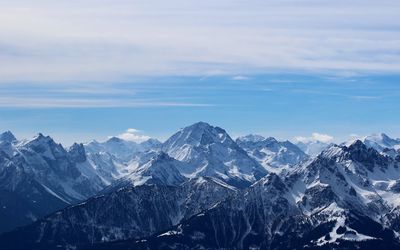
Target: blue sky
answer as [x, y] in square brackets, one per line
[90, 69]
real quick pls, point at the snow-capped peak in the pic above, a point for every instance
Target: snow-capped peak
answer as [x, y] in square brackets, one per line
[273, 155]
[44, 145]
[359, 154]
[381, 141]
[200, 133]
[210, 151]
[251, 138]
[39, 138]
[122, 149]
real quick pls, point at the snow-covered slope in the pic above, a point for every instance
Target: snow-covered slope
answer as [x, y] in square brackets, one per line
[273, 155]
[160, 169]
[355, 177]
[210, 151]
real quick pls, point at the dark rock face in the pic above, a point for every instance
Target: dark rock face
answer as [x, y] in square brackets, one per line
[130, 212]
[368, 157]
[77, 153]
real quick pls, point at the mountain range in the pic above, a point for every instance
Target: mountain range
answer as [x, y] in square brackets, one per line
[200, 189]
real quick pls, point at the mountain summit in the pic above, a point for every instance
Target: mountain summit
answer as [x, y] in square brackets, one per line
[210, 151]
[381, 141]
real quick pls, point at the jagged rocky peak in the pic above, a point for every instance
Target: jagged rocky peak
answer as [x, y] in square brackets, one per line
[43, 144]
[368, 157]
[7, 136]
[40, 138]
[273, 155]
[360, 153]
[77, 152]
[357, 145]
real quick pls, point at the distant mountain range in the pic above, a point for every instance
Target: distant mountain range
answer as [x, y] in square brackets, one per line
[200, 189]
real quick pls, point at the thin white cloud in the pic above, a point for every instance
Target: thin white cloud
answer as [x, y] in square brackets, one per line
[360, 97]
[133, 130]
[29, 102]
[240, 78]
[105, 41]
[315, 137]
[134, 135]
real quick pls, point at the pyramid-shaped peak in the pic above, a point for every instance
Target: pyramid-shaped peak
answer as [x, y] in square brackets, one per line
[200, 124]
[357, 144]
[200, 133]
[203, 126]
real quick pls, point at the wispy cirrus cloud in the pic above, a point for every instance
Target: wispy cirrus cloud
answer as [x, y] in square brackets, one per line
[50, 102]
[105, 41]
